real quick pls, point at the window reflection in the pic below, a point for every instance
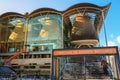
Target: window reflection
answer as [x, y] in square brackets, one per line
[43, 33]
[45, 30]
[17, 33]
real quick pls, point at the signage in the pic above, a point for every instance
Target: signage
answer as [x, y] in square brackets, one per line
[90, 51]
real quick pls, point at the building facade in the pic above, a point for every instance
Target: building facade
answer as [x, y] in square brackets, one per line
[45, 29]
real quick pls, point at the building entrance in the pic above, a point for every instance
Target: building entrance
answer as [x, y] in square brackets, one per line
[86, 64]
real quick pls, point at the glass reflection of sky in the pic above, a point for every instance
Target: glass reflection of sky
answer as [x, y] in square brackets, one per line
[45, 27]
[92, 17]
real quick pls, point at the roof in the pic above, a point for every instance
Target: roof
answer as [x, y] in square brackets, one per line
[11, 14]
[75, 9]
[87, 8]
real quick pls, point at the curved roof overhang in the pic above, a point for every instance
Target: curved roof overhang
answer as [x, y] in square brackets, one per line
[36, 12]
[10, 14]
[75, 9]
[87, 8]
[42, 11]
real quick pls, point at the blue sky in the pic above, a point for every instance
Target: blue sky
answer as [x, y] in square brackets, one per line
[111, 21]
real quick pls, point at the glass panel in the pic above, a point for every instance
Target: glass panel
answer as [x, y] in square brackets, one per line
[45, 32]
[41, 33]
[17, 33]
[12, 34]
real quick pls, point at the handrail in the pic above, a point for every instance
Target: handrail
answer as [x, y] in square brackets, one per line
[10, 58]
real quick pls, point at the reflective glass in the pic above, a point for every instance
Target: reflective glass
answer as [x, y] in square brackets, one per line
[12, 34]
[45, 32]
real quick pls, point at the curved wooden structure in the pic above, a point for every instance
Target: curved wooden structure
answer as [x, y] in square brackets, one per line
[90, 15]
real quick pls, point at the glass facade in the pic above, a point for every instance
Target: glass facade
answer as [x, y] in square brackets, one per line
[45, 32]
[80, 27]
[12, 34]
[40, 33]
[46, 29]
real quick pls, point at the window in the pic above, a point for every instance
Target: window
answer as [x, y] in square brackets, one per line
[45, 67]
[29, 67]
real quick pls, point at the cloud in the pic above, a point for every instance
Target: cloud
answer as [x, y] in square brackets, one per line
[111, 43]
[118, 39]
